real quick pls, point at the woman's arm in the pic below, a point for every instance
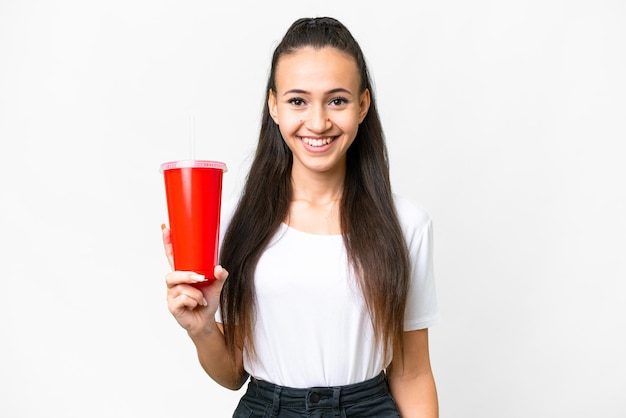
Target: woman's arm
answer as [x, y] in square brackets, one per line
[413, 386]
[215, 358]
[194, 309]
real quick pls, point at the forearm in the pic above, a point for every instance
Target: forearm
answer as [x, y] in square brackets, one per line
[216, 360]
[415, 396]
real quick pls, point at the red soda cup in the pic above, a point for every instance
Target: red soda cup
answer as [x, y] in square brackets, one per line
[194, 196]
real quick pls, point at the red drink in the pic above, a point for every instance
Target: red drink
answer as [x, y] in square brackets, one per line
[194, 195]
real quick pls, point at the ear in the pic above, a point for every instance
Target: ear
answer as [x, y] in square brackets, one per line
[272, 106]
[364, 105]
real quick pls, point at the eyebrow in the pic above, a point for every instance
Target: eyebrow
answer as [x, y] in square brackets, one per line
[333, 91]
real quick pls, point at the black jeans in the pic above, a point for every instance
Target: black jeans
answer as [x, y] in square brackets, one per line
[367, 399]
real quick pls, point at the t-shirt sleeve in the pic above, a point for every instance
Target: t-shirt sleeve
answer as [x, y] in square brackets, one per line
[422, 310]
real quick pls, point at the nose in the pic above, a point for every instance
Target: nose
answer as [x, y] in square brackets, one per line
[317, 120]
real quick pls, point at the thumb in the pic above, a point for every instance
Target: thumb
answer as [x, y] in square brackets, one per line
[167, 245]
[220, 275]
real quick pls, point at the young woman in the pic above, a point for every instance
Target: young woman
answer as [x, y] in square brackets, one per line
[330, 290]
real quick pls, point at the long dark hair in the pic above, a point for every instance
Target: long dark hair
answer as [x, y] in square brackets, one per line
[371, 232]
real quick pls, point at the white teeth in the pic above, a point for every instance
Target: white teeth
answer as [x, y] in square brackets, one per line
[317, 142]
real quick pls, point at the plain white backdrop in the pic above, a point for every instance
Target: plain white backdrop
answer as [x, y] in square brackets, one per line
[506, 120]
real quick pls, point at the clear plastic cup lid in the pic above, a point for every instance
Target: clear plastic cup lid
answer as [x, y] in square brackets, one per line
[193, 164]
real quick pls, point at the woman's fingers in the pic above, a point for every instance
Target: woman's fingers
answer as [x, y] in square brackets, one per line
[187, 301]
[167, 245]
[220, 273]
[183, 277]
[213, 291]
[194, 306]
[181, 295]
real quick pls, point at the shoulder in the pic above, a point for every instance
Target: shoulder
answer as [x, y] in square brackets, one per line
[411, 215]
[415, 222]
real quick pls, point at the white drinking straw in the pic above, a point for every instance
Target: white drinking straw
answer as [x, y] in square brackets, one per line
[192, 137]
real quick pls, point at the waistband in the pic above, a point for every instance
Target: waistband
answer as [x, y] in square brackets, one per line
[318, 397]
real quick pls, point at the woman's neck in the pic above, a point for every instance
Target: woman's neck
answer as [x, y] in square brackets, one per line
[315, 203]
[315, 187]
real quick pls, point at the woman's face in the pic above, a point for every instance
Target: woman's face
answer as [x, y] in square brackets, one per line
[318, 107]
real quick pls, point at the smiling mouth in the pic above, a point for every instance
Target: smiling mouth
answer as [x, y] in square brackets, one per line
[317, 142]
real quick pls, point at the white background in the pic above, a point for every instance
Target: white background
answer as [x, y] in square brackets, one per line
[506, 120]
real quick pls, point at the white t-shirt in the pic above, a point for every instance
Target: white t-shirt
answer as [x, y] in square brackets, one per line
[312, 327]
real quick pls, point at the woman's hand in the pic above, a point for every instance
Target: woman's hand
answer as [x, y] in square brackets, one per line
[193, 307]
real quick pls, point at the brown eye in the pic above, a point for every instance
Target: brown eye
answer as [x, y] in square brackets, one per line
[338, 101]
[296, 101]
